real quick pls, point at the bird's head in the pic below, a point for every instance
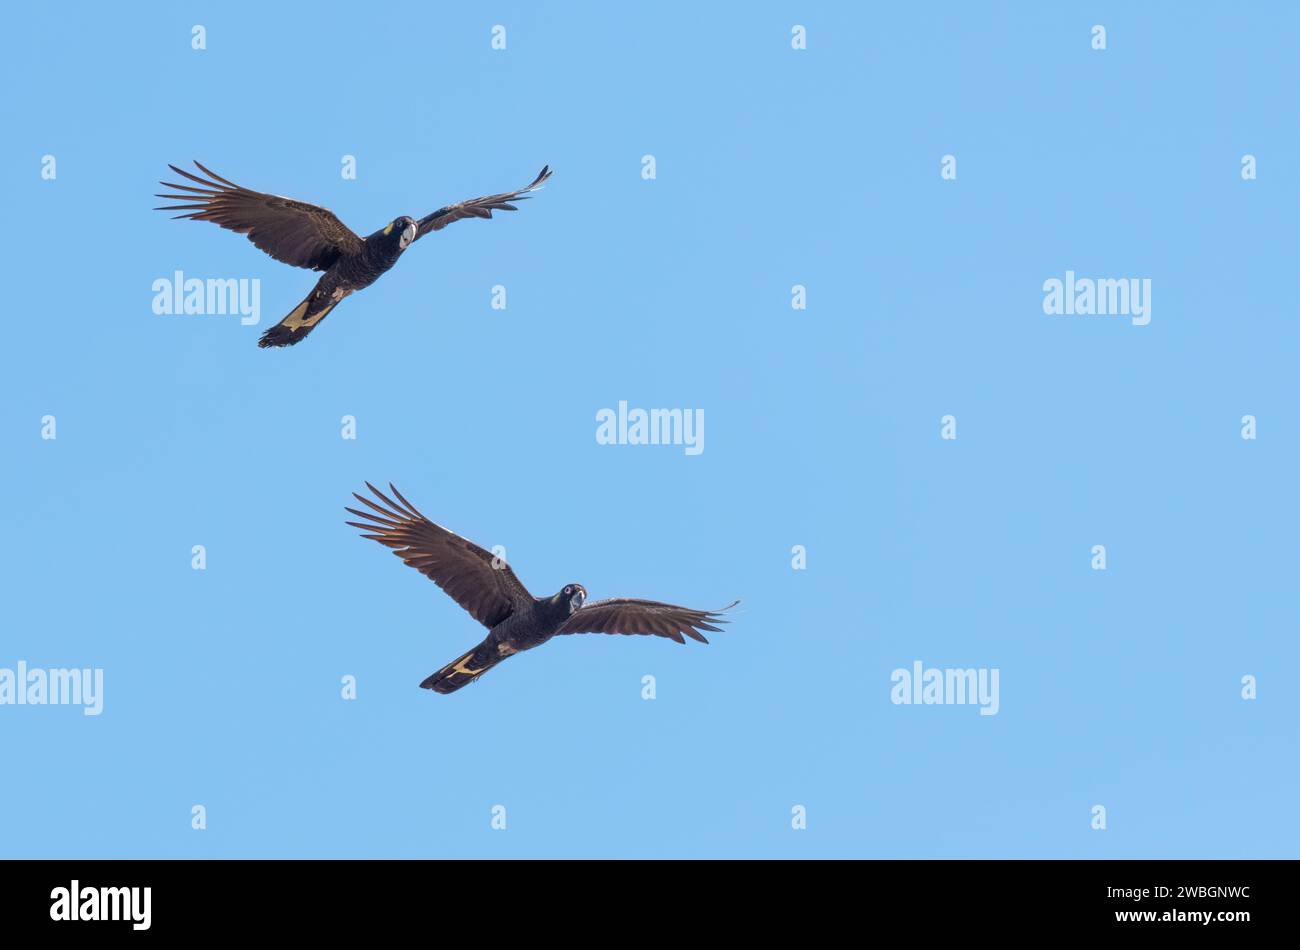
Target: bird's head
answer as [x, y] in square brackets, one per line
[401, 230]
[575, 595]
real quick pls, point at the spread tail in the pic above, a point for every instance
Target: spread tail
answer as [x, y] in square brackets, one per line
[300, 321]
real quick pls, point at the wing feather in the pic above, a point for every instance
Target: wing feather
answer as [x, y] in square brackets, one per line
[632, 616]
[481, 583]
[479, 207]
[295, 232]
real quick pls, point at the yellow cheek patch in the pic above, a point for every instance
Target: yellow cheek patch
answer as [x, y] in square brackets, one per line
[388, 230]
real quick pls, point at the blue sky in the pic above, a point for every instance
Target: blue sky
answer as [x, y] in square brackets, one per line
[774, 167]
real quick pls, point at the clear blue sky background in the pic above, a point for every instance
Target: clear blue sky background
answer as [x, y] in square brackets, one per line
[775, 167]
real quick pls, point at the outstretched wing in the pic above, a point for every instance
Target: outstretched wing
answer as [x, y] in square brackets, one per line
[294, 232]
[482, 584]
[479, 207]
[626, 615]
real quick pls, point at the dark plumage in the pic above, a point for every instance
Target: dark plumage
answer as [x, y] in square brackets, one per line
[487, 588]
[309, 236]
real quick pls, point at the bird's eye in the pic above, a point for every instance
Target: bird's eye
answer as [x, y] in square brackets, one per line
[568, 591]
